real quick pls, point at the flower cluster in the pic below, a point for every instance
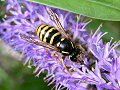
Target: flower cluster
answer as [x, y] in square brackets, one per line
[100, 69]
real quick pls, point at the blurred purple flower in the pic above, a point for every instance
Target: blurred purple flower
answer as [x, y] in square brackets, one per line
[102, 66]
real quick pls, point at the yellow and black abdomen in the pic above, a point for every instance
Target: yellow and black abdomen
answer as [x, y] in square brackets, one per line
[51, 35]
[48, 34]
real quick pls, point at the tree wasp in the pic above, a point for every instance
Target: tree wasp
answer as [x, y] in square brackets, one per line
[56, 39]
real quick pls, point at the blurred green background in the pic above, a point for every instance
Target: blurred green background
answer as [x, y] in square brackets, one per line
[15, 76]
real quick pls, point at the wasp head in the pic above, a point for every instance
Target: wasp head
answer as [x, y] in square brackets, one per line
[76, 55]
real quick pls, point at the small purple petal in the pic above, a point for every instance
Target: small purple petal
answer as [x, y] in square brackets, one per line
[101, 64]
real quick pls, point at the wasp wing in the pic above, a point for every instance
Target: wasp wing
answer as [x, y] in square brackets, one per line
[37, 42]
[54, 17]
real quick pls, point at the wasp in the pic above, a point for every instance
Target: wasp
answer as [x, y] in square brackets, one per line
[56, 39]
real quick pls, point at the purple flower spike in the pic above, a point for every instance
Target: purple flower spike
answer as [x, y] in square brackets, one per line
[101, 62]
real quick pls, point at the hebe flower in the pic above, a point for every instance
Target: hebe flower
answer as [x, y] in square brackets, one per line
[99, 71]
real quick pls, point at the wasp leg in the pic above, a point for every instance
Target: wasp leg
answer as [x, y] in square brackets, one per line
[54, 17]
[62, 61]
[56, 56]
[80, 60]
[63, 58]
[83, 51]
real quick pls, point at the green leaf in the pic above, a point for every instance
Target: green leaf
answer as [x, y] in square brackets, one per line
[99, 9]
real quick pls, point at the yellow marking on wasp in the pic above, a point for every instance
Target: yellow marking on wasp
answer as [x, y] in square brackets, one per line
[51, 40]
[72, 45]
[109, 83]
[39, 29]
[62, 39]
[93, 69]
[47, 33]
[58, 44]
[43, 31]
[65, 52]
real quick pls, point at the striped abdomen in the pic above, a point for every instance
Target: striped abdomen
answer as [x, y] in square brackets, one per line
[48, 34]
[51, 35]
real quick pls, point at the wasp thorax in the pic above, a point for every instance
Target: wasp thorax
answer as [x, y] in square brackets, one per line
[65, 46]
